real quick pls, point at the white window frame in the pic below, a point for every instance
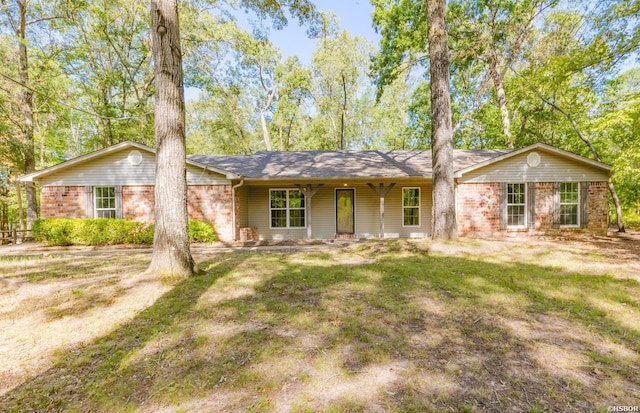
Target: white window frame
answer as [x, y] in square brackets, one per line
[95, 202]
[418, 207]
[523, 204]
[288, 209]
[577, 204]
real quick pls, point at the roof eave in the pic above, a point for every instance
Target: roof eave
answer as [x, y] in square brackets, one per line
[33, 177]
[539, 145]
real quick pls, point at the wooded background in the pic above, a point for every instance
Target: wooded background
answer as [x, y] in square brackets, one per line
[77, 76]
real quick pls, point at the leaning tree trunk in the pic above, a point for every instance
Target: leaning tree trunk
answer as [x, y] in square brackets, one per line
[171, 253]
[444, 205]
[587, 141]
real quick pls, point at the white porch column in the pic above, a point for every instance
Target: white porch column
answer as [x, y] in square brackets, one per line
[309, 191]
[382, 192]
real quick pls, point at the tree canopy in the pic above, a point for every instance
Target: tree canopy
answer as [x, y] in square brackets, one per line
[521, 72]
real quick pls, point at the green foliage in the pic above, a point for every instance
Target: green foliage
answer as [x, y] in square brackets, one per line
[103, 231]
[200, 231]
[98, 231]
[403, 26]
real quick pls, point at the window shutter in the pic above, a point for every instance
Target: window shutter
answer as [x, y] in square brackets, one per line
[556, 204]
[118, 191]
[584, 204]
[531, 204]
[503, 205]
[88, 201]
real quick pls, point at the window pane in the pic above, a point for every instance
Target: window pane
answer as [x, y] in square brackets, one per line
[569, 192]
[411, 217]
[279, 218]
[569, 199]
[411, 197]
[278, 199]
[106, 213]
[515, 215]
[105, 202]
[296, 218]
[296, 199]
[568, 215]
[516, 202]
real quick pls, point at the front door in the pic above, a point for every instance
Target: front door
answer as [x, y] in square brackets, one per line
[345, 222]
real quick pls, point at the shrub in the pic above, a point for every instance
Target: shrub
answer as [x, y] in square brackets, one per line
[201, 231]
[632, 220]
[53, 231]
[104, 231]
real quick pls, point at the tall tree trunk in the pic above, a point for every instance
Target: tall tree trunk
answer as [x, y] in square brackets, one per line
[502, 100]
[444, 205]
[171, 253]
[26, 97]
[343, 115]
[271, 94]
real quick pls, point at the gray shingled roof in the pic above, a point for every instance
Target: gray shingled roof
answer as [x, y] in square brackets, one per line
[339, 164]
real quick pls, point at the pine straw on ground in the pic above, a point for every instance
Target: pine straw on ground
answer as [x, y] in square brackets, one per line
[476, 325]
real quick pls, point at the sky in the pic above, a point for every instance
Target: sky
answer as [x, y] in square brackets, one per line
[354, 15]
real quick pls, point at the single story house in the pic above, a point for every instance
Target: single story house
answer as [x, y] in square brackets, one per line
[538, 189]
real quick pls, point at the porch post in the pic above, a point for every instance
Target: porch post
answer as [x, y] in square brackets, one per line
[309, 191]
[381, 191]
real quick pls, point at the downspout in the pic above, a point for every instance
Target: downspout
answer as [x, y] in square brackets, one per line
[233, 206]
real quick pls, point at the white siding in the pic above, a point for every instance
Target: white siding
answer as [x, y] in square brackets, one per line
[115, 169]
[552, 168]
[323, 206]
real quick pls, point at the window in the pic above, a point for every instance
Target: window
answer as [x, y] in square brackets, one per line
[569, 199]
[286, 207]
[411, 207]
[105, 202]
[516, 205]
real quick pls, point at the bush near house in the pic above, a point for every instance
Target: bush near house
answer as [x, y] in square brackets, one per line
[104, 231]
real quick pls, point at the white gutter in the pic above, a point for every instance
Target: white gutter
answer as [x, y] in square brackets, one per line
[233, 205]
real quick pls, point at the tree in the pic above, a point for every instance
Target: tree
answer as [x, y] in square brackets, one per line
[444, 211]
[17, 18]
[171, 253]
[339, 66]
[564, 73]
[105, 48]
[491, 34]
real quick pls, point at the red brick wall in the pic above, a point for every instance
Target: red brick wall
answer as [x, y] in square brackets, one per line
[62, 202]
[478, 209]
[206, 203]
[599, 206]
[544, 206]
[138, 203]
[212, 203]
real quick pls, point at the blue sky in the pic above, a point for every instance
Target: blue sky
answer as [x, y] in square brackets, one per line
[354, 15]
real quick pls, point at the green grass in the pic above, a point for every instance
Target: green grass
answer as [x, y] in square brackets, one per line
[387, 326]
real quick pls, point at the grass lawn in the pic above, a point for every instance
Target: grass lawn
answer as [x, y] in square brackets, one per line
[398, 325]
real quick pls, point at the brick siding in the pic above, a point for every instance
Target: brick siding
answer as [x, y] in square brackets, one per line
[599, 206]
[62, 202]
[478, 210]
[205, 203]
[212, 203]
[138, 203]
